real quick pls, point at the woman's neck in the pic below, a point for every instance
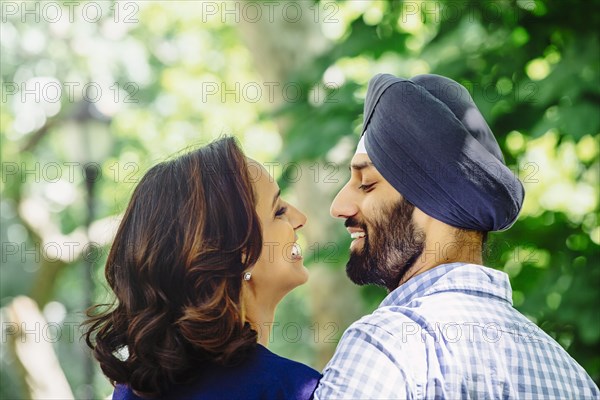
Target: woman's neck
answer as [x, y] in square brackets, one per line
[261, 319]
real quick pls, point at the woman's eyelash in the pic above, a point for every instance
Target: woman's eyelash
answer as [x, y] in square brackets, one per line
[281, 211]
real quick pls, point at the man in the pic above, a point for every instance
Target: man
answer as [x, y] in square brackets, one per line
[428, 181]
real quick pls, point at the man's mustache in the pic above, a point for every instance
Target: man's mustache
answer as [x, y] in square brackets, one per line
[354, 223]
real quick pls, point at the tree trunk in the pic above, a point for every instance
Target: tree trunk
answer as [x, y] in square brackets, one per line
[279, 48]
[27, 330]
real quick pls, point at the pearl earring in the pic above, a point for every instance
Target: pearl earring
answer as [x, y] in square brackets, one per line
[247, 276]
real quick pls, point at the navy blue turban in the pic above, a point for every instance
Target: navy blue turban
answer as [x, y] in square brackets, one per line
[427, 138]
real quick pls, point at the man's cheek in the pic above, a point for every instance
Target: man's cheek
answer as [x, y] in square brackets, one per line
[369, 216]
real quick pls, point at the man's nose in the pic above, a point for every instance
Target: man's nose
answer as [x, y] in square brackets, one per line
[343, 205]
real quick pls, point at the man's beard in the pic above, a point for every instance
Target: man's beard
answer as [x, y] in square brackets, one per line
[391, 246]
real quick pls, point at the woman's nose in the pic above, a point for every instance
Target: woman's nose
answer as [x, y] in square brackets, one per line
[299, 219]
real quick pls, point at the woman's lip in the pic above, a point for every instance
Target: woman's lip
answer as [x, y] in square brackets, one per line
[296, 248]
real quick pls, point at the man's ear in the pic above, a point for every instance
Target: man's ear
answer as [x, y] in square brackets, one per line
[421, 219]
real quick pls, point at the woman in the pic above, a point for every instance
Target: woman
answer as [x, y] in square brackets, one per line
[204, 253]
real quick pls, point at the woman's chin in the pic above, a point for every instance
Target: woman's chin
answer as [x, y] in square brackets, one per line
[305, 275]
[298, 277]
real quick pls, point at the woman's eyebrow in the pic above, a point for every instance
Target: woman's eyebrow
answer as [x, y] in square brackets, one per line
[275, 198]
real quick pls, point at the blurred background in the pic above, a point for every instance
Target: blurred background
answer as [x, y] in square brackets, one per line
[94, 93]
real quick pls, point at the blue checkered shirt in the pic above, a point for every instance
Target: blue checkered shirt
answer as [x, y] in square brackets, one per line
[451, 333]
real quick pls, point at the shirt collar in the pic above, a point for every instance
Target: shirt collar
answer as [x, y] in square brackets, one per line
[472, 278]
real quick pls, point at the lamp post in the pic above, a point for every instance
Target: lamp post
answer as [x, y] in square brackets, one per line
[89, 143]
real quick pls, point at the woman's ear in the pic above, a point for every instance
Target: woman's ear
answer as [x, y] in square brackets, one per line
[246, 273]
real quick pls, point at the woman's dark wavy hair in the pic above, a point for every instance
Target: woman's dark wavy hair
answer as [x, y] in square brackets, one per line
[176, 265]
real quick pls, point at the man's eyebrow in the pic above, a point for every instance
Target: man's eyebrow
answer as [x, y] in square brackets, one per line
[275, 198]
[361, 165]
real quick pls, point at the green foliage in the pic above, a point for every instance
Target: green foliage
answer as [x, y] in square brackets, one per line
[532, 68]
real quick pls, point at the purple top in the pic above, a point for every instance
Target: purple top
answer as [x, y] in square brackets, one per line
[264, 375]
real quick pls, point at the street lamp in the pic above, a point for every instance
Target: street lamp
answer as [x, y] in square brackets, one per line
[89, 143]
